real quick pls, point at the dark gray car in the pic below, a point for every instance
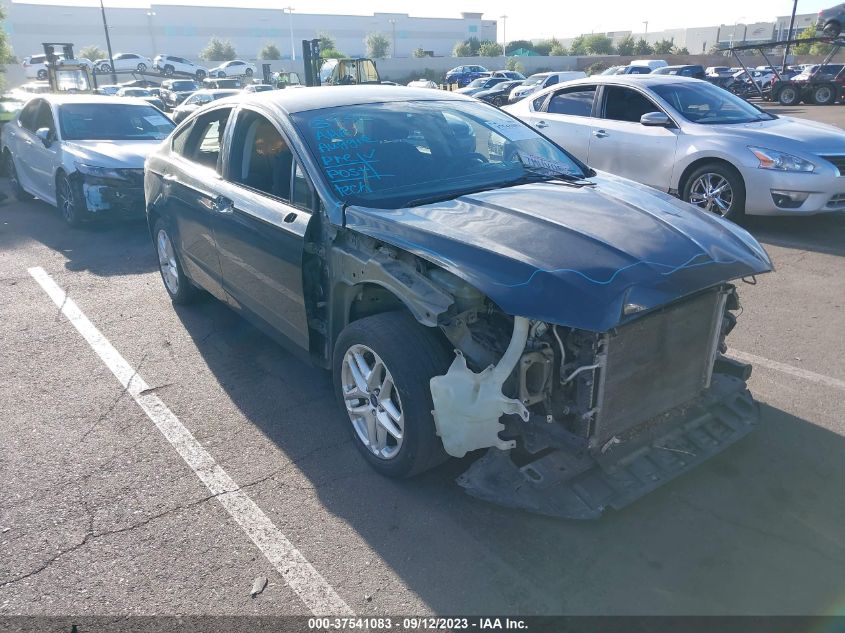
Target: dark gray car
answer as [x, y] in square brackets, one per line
[831, 20]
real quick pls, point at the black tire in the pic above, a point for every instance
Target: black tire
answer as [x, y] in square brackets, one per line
[41, 75]
[736, 208]
[413, 354]
[789, 96]
[184, 291]
[823, 94]
[832, 29]
[105, 68]
[168, 70]
[201, 75]
[18, 191]
[141, 68]
[248, 72]
[70, 201]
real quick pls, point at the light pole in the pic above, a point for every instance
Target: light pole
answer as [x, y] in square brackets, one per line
[108, 42]
[393, 24]
[645, 22]
[504, 20]
[290, 24]
[150, 16]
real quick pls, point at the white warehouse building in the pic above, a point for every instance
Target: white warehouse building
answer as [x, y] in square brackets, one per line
[185, 30]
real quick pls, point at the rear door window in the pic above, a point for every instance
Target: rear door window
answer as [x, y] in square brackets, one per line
[574, 101]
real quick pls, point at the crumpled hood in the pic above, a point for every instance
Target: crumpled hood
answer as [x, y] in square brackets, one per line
[572, 256]
[786, 134]
[118, 154]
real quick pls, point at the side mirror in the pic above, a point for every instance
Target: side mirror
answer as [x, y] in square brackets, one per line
[45, 135]
[656, 119]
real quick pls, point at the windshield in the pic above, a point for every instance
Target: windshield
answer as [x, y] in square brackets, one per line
[533, 80]
[112, 122]
[701, 102]
[476, 83]
[388, 155]
[184, 86]
[136, 92]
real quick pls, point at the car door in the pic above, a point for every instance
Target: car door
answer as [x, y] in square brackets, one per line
[20, 141]
[566, 117]
[261, 236]
[621, 145]
[191, 196]
[44, 159]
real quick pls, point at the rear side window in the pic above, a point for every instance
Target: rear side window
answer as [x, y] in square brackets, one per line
[573, 101]
[551, 81]
[27, 115]
[44, 118]
[261, 158]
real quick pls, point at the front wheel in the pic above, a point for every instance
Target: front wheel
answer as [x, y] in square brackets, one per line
[70, 201]
[168, 70]
[717, 188]
[789, 96]
[180, 289]
[105, 68]
[382, 366]
[248, 72]
[41, 75]
[141, 68]
[200, 75]
[832, 29]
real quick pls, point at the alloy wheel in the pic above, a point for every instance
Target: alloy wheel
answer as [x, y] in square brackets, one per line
[67, 201]
[167, 261]
[372, 402]
[712, 192]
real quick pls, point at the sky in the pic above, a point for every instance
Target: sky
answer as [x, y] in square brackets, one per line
[528, 20]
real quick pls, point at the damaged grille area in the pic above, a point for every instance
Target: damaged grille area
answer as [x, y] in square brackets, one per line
[657, 363]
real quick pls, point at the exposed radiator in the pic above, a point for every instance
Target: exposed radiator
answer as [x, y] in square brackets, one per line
[657, 363]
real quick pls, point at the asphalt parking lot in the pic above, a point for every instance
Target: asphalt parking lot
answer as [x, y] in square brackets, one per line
[100, 514]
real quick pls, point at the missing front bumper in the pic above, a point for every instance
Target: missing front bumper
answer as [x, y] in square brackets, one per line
[581, 486]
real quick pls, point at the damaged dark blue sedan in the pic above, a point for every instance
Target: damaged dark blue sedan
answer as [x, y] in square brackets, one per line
[470, 284]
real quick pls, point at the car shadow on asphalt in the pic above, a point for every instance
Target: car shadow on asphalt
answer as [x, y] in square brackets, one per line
[824, 233]
[103, 247]
[756, 530]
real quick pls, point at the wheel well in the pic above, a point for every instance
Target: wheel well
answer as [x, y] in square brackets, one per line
[152, 218]
[682, 181]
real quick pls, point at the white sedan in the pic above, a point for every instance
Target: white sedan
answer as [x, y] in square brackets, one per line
[83, 154]
[125, 62]
[690, 138]
[234, 68]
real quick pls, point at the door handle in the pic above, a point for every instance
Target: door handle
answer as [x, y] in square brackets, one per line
[600, 133]
[541, 124]
[222, 204]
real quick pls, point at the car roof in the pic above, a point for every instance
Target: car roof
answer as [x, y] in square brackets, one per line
[639, 80]
[57, 99]
[316, 98]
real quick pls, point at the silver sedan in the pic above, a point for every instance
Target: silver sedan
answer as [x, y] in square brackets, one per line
[695, 140]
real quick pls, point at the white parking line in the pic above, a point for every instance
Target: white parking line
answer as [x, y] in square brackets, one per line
[298, 573]
[804, 374]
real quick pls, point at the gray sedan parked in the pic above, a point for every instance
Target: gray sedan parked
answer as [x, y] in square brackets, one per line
[693, 139]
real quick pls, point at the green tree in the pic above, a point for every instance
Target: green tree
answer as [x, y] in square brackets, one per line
[578, 46]
[680, 51]
[557, 49]
[597, 68]
[516, 45]
[326, 41]
[514, 64]
[419, 53]
[643, 48]
[462, 49]
[270, 51]
[490, 49]
[626, 45]
[808, 48]
[331, 53]
[663, 47]
[544, 47]
[598, 44]
[218, 51]
[6, 56]
[378, 46]
[92, 52]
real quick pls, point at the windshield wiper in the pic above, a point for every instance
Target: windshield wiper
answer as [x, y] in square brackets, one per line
[449, 195]
[537, 174]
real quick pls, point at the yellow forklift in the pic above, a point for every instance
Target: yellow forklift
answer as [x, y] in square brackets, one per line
[65, 73]
[336, 72]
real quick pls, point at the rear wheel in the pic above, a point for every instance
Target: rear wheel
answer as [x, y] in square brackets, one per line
[382, 366]
[201, 75]
[70, 201]
[180, 289]
[248, 72]
[168, 70]
[41, 75]
[825, 94]
[15, 184]
[832, 28]
[105, 68]
[789, 96]
[141, 68]
[717, 188]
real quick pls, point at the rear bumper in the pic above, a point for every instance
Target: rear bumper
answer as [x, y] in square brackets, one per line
[581, 486]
